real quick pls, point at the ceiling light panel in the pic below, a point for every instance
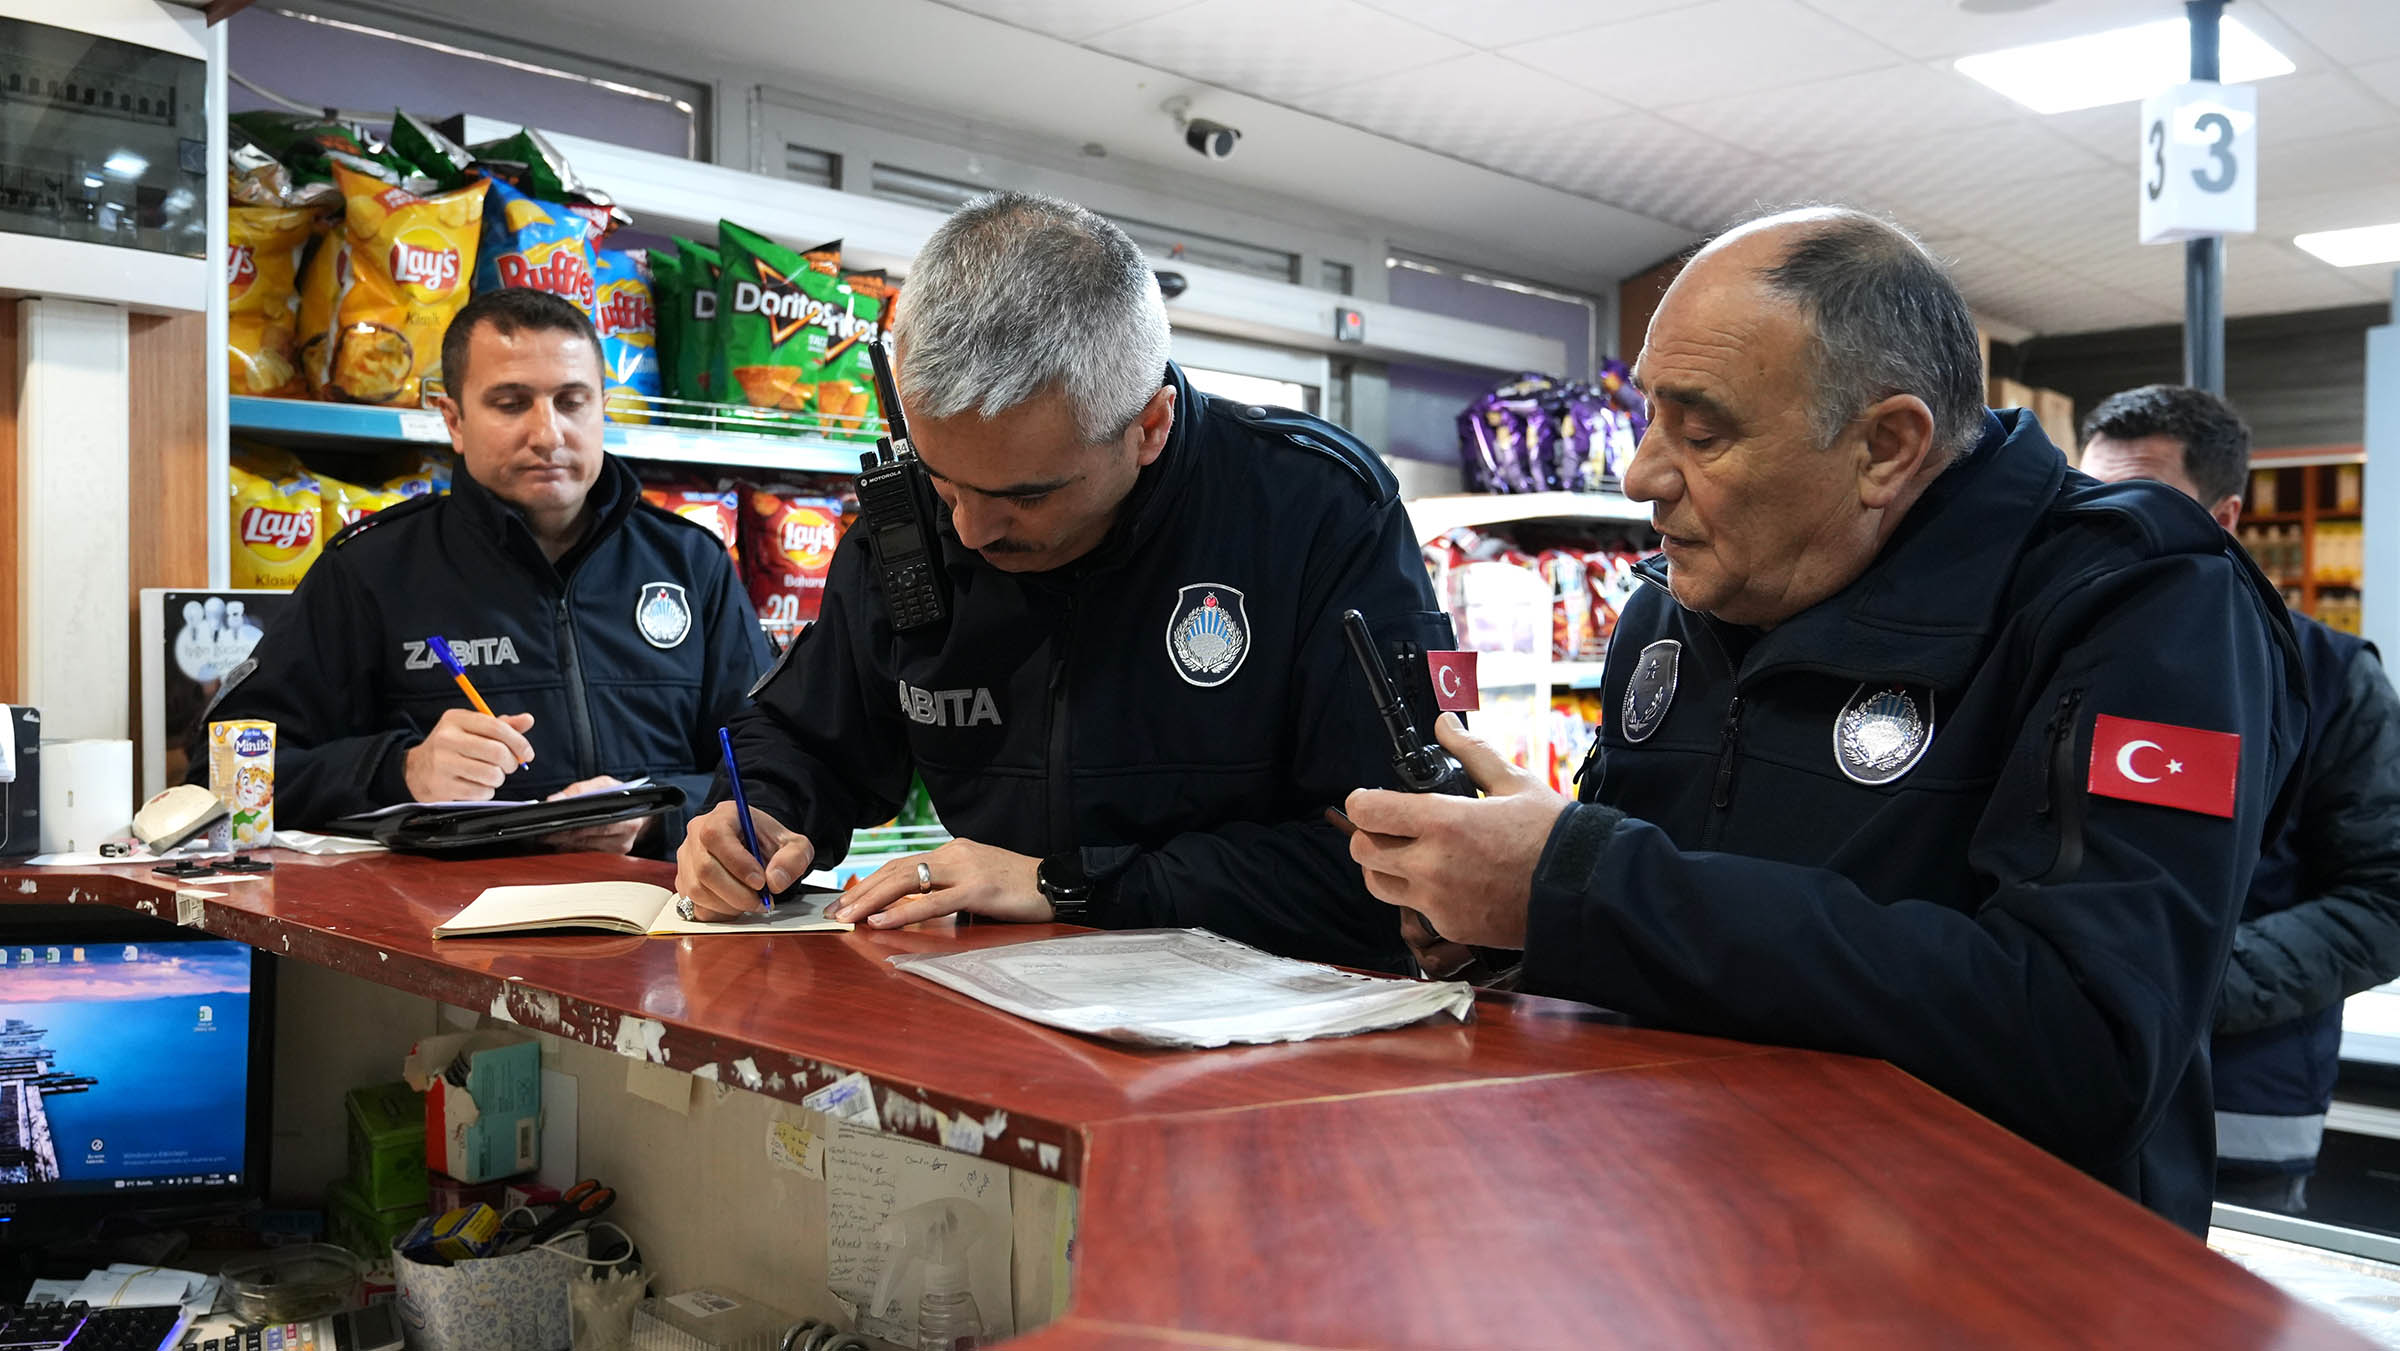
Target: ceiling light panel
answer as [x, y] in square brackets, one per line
[2118, 66]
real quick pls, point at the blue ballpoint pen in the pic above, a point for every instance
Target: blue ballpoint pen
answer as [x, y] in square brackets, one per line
[741, 809]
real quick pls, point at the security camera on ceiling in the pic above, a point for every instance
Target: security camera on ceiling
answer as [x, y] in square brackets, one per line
[1214, 140]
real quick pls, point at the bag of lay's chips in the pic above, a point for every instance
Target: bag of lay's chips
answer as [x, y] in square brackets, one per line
[262, 297]
[788, 541]
[623, 312]
[345, 504]
[277, 531]
[790, 335]
[321, 280]
[534, 244]
[431, 477]
[720, 509]
[696, 339]
[409, 260]
[257, 457]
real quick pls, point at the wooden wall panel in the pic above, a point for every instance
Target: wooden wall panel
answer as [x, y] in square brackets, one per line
[1637, 300]
[167, 514]
[10, 618]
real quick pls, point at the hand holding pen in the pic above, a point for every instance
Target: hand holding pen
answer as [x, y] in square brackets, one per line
[469, 753]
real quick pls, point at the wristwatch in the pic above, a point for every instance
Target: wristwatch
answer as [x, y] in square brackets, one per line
[1063, 883]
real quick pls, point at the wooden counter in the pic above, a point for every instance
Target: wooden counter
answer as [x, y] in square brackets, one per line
[1542, 1177]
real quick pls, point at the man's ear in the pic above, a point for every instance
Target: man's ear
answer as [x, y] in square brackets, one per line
[452, 415]
[1896, 443]
[1152, 425]
[2228, 511]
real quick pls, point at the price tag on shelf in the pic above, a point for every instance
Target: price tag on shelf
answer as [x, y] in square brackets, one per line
[2199, 162]
[423, 424]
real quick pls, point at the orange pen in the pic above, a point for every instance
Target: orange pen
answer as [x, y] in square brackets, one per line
[459, 673]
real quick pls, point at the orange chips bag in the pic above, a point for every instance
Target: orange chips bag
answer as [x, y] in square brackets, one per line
[262, 296]
[410, 258]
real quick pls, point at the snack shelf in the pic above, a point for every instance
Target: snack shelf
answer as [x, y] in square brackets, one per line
[1433, 517]
[1578, 675]
[361, 422]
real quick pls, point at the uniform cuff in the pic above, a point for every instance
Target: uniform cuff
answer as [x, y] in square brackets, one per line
[1563, 882]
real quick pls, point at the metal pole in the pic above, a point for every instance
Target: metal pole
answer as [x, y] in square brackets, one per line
[2204, 258]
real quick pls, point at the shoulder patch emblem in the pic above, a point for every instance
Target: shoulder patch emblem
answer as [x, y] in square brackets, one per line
[1208, 633]
[1651, 691]
[663, 614]
[1882, 732]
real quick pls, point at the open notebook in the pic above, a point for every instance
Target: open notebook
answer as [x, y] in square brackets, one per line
[624, 907]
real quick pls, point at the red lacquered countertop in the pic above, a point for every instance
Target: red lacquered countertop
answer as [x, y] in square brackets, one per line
[1543, 1176]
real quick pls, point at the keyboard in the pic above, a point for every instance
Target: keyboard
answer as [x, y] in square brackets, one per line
[53, 1326]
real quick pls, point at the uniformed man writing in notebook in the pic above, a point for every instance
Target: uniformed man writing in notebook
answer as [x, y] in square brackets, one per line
[1140, 702]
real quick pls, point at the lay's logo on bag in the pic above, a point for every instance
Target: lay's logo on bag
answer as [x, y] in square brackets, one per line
[624, 310]
[241, 269]
[559, 269]
[278, 535]
[431, 268]
[809, 536]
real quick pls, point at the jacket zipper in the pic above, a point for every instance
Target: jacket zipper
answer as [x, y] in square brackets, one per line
[1062, 807]
[1732, 741]
[579, 709]
[2060, 800]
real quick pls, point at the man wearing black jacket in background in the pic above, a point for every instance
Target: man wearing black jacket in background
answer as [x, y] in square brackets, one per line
[2322, 921]
[1141, 703]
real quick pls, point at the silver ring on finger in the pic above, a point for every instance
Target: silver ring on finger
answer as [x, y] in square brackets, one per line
[683, 907]
[924, 877]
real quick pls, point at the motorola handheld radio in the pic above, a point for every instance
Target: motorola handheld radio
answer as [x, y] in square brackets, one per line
[1423, 766]
[897, 503]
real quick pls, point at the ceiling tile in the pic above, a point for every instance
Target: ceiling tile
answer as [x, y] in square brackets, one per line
[2282, 216]
[1073, 20]
[1315, 44]
[1504, 23]
[1668, 172]
[2330, 164]
[2380, 77]
[1894, 103]
[1748, 45]
[2345, 30]
[1929, 29]
[1520, 121]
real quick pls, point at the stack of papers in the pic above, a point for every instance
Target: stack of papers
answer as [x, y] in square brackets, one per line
[1184, 987]
[125, 1285]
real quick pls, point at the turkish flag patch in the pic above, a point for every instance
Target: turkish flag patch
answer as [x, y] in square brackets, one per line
[1454, 689]
[2169, 766]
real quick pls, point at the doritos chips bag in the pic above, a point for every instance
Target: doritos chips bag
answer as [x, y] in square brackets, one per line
[535, 244]
[346, 503]
[669, 312]
[718, 509]
[791, 335]
[788, 541]
[696, 344]
[409, 260]
[262, 297]
[276, 530]
[429, 152]
[623, 313]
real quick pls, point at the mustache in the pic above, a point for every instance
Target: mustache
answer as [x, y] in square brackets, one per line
[1010, 546]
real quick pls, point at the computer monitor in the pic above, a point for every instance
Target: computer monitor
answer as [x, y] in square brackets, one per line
[134, 1070]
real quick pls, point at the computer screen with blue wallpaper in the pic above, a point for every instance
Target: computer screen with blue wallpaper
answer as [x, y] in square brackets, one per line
[125, 1065]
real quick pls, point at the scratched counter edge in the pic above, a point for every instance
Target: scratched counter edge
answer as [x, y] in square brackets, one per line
[1294, 1195]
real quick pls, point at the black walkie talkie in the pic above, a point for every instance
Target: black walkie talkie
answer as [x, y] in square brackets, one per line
[1423, 766]
[896, 502]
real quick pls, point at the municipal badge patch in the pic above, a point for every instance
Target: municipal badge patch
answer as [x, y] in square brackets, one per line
[1651, 691]
[1882, 733]
[663, 614]
[1208, 634]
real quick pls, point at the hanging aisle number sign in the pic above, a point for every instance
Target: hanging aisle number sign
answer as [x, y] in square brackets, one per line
[2199, 162]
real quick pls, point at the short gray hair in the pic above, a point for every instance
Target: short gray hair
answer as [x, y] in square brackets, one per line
[1887, 320]
[1018, 294]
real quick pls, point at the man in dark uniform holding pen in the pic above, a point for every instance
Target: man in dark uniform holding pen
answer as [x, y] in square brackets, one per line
[1921, 746]
[1141, 702]
[610, 637]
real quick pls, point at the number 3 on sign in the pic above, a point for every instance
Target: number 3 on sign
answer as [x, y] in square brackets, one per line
[2199, 162]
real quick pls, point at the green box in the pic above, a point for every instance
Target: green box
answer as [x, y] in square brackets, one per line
[361, 1228]
[387, 1146]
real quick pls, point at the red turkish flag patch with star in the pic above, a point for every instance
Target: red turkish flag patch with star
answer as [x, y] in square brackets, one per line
[2158, 762]
[1454, 689]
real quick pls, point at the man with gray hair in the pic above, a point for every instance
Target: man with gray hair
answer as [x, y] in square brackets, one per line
[1140, 703]
[1921, 746]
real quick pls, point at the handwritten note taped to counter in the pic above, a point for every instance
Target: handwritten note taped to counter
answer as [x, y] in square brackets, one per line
[869, 1178]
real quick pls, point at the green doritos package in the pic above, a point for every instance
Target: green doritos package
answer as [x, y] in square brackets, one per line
[790, 335]
[429, 152]
[696, 334]
[670, 303]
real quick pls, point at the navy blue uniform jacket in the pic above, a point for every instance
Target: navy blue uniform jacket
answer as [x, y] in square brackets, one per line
[1053, 711]
[2047, 956]
[345, 675]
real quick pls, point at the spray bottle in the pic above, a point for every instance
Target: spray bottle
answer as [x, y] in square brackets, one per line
[939, 1234]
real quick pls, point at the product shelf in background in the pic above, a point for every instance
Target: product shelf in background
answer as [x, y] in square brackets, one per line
[1433, 517]
[1577, 675]
[722, 443]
